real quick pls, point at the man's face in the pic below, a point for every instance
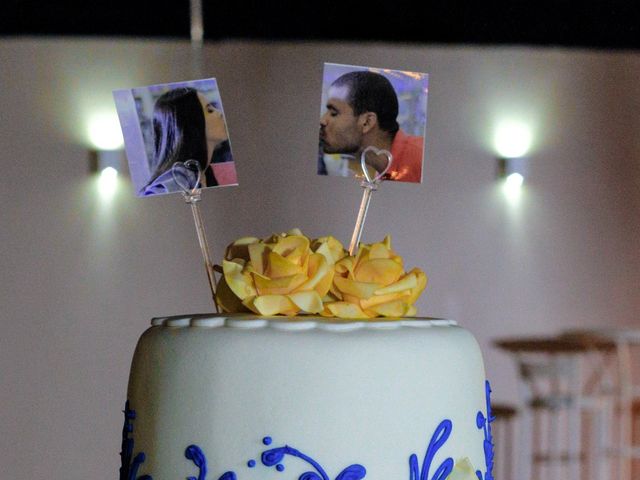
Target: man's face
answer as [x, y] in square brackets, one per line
[339, 128]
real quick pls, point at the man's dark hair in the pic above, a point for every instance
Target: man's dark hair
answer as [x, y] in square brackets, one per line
[372, 92]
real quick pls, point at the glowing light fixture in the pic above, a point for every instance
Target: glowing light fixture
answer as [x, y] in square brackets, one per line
[514, 181]
[511, 172]
[108, 183]
[512, 139]
[107, 164]
[104, 131]
[107, 156]
[99, 160]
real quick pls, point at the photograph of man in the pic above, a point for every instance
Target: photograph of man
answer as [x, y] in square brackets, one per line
[362, 110]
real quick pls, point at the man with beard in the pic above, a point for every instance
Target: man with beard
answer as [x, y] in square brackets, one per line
[362, 108]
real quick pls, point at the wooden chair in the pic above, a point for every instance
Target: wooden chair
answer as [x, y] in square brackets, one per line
[622, 387]
[552, 373]
[503, 430]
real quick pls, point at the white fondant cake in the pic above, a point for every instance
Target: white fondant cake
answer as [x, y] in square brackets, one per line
[242, 397]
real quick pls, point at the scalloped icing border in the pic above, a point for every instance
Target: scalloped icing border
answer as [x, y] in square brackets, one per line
[296, 324]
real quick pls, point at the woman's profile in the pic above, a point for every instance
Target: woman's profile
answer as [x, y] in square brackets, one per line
[186, 126]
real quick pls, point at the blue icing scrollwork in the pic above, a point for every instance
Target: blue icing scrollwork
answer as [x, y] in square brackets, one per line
[196, 455]
[129, 466]
[274, 457]
[484, 424]
[438, 439]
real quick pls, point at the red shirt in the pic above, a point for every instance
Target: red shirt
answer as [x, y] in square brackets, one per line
[407, 153]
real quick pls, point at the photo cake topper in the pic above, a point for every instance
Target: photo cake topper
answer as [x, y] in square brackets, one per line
[176, 137]
[376, 114]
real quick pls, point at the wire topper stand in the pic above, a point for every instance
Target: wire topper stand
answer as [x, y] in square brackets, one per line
[191, 196]
[370, 185]
[191, 191]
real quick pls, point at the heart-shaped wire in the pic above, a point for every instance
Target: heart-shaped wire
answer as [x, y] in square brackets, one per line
[191, 165]
[363, 163]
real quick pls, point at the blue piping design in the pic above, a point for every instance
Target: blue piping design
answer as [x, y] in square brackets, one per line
[438, 439]
[274, 457]
[484, 424]
[129, 466]
[197, 456]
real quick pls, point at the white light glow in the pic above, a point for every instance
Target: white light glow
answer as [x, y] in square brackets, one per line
[108, 183]
[512, 139]
[104, 131]
[513, 187]
[514, 181]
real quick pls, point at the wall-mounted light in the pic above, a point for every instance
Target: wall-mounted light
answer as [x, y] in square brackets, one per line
[103, 131]
[512, 139]
[108, 164]
[512, 142]
[512, 172]
[106, 158]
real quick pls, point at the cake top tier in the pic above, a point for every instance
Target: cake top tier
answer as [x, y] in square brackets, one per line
[300, 323]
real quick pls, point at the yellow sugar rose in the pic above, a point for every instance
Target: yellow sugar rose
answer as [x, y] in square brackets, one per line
[374, 284]
[285, 274]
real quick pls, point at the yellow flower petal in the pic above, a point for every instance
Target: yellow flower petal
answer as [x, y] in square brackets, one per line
[226, 299]
[383, 271]
[350, 299]
[379, 299]
[323, 286]
[330, 247]
[394, 309]
[356, 289]
[318, 268]
[421, 280]
[278, 286]
[345, 266]
[379, 250]
[248, 303]
[239, 248]
[258, 256]
[326, 252]
[249, 269]
[309, 302]
[411, 311]
[239, 282]
[407, 282]
[320, 275]
[346, 310]
[363, 254]
[333, 290]
[274, 304]
[288, 245]
[295, 231]
[278, 266]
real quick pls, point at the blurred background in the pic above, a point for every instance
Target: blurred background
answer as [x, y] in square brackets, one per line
[85, 264]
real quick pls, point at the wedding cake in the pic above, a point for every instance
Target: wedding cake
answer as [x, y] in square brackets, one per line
[339, 389]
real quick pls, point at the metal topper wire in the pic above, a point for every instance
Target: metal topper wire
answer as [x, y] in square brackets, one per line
[370, 185]
[192, 197]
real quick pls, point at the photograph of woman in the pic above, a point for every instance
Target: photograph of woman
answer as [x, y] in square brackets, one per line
[186, 144]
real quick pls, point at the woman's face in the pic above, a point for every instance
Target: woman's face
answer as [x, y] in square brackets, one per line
[215, 129]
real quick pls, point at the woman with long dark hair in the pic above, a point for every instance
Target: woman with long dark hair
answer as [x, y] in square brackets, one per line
[186, 126]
